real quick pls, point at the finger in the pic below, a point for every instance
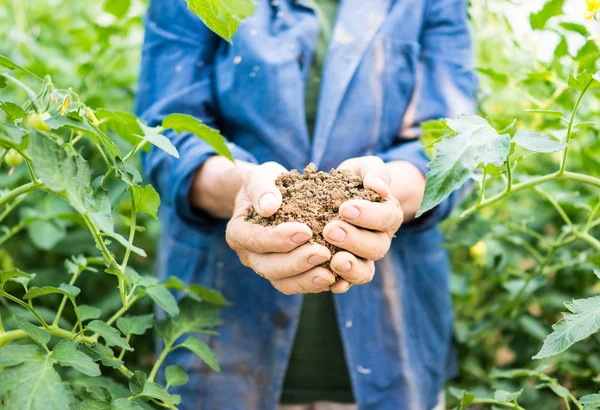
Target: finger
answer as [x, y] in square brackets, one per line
[261, 190]
[386, 216]
[276, 266]
[352, 269]
[247, 236]
[361, 242]
[315, 280]
[373, 171]
[341, 286]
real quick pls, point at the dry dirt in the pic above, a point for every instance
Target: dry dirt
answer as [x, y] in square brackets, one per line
[314, 198]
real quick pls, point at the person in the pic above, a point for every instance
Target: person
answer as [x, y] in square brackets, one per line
[342, 85]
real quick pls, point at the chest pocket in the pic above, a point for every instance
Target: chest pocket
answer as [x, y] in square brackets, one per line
[401, 77]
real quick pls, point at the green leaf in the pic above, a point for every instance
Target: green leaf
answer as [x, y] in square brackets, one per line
[146, 199]
[123, 123]
[60, 171]
[537, 143]
[13, 111]
[551, 9]
[125, 243]
[74, 122]
[13, 355]
[110, 334]
[549, 113]
[592, 400]
[137, 382]
[582, 322]
[475, 143]
[67, 290]
[163, 298]
[465, 398]
[66, 354]
[13, 137]
[104, 354]
[34, 385]
[135, 325]
[597, 273]
[87, 312]
[176, 375]
[202, 350]
[117, 8]
[574, 27]
[186, 123]
[193, 317]
[583, 81]
[99, 208]
[585, 125]
[11, 65]
[37, 334]
[93, 398]
[125, 404]
[153, 136]
[156, 391]
[559, 390]
[222, 16]
[11, 275]
[198, 292]
[500, 78]
[506, 397]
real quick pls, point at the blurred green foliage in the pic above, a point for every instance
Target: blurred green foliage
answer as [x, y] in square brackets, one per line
[94, 47]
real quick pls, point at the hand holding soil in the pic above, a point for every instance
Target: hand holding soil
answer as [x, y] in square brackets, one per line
[295, 229]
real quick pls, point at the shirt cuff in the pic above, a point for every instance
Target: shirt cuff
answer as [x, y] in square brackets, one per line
[184, 174]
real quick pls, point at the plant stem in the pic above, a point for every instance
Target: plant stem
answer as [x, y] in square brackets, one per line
[588, 238]
[509, 175]
[23, 189]
[482, 192]
[32, 96]
[12, 206]
[556, 176]
[563, 163]
[13, 335]
[131, 230]
[31, 174]
[63, 302]
[26, 306]
[161, 358]
[556, 206]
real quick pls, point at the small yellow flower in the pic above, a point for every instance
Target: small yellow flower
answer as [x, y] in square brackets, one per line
[478, 252]
[64, 105]
[593, 6]
[92, 117]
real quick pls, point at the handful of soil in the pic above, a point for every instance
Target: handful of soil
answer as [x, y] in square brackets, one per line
[314, 198]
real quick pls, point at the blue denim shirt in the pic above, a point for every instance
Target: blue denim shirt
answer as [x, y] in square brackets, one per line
[391, 65]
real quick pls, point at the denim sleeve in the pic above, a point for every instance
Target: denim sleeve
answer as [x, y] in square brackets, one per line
[176, 77]
[445, 87]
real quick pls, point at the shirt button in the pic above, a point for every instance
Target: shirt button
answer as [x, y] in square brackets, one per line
[280, 319]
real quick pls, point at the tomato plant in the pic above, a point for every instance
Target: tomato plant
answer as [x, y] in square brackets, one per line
[526, 238]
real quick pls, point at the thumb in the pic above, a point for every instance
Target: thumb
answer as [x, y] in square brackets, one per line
[261, 190]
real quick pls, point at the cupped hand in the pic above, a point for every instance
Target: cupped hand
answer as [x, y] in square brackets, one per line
[280, 254]
[366, 229]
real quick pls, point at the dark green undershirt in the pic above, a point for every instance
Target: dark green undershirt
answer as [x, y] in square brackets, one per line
[317, 369]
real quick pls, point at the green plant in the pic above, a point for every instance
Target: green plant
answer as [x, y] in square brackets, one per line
[49, 132]
[470, 143]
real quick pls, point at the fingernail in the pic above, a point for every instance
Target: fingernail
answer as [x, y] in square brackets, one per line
[300, 237]
[266, 200]
[319, 281]
[345, 267]
[317, 259]
[350, 212]
[337, 235]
